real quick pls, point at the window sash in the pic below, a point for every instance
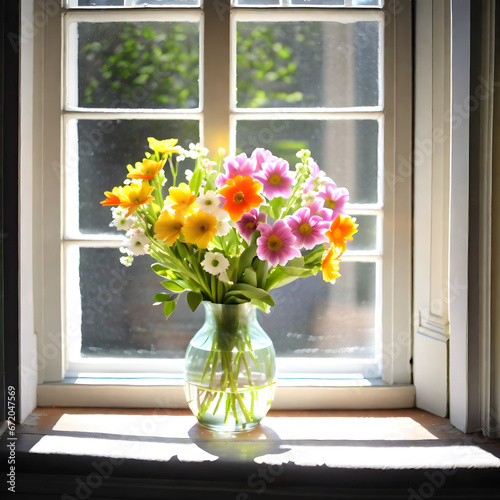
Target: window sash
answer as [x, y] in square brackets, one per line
[51, 374]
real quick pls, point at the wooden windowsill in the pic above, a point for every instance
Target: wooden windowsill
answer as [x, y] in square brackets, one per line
[296, 454]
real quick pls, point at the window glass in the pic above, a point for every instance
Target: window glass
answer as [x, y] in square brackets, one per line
[311, 317]
[117, 313]
[318, 319]
[138, 65]
[347, 150]
[308, 64]
[105, 148]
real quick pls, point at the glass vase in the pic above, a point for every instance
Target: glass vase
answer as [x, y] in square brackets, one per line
[230, 369]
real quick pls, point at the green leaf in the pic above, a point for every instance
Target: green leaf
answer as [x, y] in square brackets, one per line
[261, 268]
[194, 299]
[195, 182]
[161, 297]
[297, 271]
[245, 259]
[243, 290]
[173, 286]
[249, 277]
[169, 307]
[278, 278]
[160, 269]
[182, 250]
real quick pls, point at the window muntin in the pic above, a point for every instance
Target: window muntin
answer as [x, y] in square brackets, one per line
[364, 130]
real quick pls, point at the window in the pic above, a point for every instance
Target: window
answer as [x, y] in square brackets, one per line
[283, 77]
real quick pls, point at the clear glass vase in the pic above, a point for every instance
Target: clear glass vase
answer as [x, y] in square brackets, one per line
[230, 369]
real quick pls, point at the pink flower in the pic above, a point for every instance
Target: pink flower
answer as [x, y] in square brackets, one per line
[318, 208]
[237, 165]
[276, 243]
[249, 222]
[276, 179]
[335, 198]
[308, 229]
[261, 155]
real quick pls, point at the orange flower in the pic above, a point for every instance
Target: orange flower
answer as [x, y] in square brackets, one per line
[112, 197]
[199, 229]
[168, 227]
[134, 195]
[330, 264]
[145, 170]
[341, 230]
[181, 198]
[241, 194]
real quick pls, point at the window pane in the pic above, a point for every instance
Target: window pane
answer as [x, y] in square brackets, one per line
[118, 316]
[308, 64]
[105, 148]
[366, 237]
[93, 4]
[138, 65]
[347, 150]
[315, 318]
[311, 317]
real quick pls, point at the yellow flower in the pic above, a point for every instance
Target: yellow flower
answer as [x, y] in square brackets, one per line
[182, 199]
[168, 227]
[199, 229]
[145, 170]
[330, 264]
[165, 147]
[134, 195]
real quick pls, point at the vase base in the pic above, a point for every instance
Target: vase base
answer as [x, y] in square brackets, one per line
[229, 427]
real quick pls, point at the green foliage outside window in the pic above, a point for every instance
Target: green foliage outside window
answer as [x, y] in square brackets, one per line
[155, 65]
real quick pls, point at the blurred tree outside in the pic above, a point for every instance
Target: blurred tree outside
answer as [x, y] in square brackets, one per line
[156, 65]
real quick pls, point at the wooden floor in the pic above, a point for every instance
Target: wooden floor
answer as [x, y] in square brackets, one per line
[140, 454]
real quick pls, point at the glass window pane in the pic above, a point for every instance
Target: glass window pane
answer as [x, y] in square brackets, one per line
[366, 237]
[118, 316]
[93, 4]
[105, 148]
[308, 64]
[311, 317]
[318, 319]
[347, 150]
[138, 65]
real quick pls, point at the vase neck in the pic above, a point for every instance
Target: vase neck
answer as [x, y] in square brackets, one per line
[230, 318]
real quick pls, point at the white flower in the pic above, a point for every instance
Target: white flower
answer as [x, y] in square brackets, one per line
[207, 165]
[138, 243]
[223, 227]
[308, 198]
[188, 174]
[127, 260]
[320, 181]
[215, 263]
[209, 202]
[120, 221]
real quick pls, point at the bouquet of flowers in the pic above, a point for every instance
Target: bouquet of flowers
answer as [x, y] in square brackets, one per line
[234, 229]
[237, 228]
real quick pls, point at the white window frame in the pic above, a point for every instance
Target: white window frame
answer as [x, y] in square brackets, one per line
[394, 390]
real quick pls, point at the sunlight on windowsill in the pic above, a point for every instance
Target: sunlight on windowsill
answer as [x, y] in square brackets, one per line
[405, 439]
